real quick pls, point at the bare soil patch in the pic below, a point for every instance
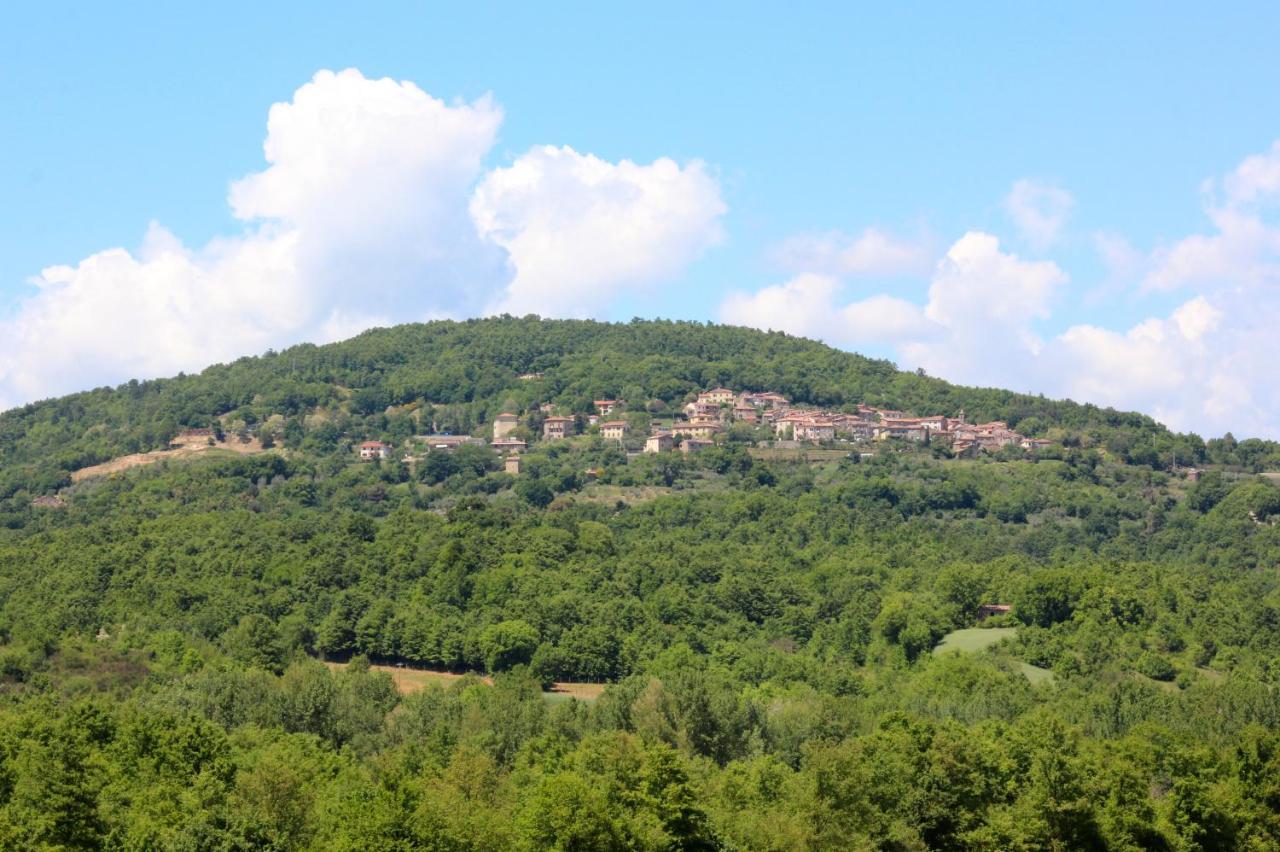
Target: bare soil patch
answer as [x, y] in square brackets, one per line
[123, 463]
[409, 680]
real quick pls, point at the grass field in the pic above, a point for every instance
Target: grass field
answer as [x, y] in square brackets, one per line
[973, 639]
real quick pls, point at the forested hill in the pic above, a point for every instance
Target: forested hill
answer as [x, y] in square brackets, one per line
[887, 645]
[466, 372]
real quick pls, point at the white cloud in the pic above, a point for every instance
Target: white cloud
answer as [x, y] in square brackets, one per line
[1039, 211]
[809, 306]
[1256, 178]
[979, 317]
[579, 229]
[873, 253]
[804, 306]
[1205, 364]
[367, 213]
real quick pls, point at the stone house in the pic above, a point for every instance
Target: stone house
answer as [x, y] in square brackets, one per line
[557, 427]
[659, 442]
[504, 424]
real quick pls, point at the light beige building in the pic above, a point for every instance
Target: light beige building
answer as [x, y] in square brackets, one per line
[511, 464]
[661, 442]
[614, 430]
[504, 424]
[717, 396]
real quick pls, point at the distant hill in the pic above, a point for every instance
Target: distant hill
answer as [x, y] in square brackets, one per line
[468, 371]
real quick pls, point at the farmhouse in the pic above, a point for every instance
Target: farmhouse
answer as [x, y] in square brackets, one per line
[511, 464]
[371, 450]
[504, 424]
[659, 442]
[557, 427]
[614, 430]
[693, 445]
[989, 610]
[608, 406]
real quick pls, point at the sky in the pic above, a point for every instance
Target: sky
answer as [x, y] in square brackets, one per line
[1075, 202]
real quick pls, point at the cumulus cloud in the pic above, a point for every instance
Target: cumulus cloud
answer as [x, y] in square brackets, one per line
[872, 253]
[579, 229]
[1039, 211]
[979, 317]
[1207, 364]
[374, 207]
[810, 306]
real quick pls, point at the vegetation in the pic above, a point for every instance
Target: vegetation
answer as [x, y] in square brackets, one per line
[766, 624]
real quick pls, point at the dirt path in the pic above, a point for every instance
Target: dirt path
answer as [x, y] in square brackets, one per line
[137, 459]
[409, 680]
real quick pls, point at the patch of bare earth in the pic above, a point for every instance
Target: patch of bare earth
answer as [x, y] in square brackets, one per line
[123, 463]
[409, 680]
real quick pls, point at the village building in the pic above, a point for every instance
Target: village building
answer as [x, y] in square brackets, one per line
[608, 406]
[813, 430]
[615, 430]
[746, 414]
[989, 610]
[693, 445]
[701, 408]
[717, 396]
[906, 428]
[504, 424]
[593, 419]
[547, 408]
[371, 450]
[659, 442]
[557, 427]
[446, 441]
[766, 400]
[856, 428]
[509, 445]
[696, 430]
[511, 464]
[529, 377]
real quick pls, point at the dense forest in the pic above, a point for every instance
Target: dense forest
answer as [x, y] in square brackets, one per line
[195, 652]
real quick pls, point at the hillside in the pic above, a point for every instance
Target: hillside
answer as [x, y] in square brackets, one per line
[204, 651]
[462, 374]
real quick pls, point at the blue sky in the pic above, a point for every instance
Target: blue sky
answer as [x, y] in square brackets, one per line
[796, 129]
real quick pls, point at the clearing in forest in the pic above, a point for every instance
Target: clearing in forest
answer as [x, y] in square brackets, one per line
[122, 463]
[409, 680]
[971, 640]
[974, 639]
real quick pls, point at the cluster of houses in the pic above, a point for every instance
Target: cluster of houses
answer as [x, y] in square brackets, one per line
[714, 411]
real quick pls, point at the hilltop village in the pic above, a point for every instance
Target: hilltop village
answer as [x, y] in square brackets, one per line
[707, 419]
